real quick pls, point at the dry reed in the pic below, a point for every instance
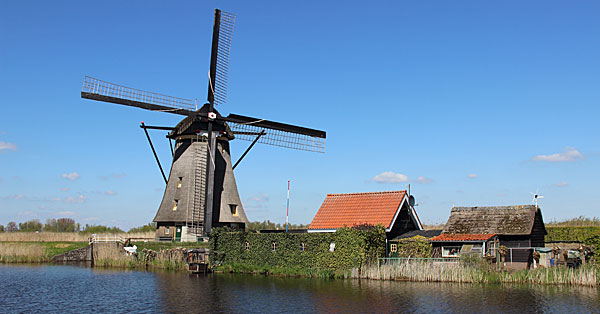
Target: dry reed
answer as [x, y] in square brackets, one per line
[457, 272]
[61, 236]
[15, 253]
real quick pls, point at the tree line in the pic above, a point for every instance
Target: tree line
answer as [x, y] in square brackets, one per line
[68, 225]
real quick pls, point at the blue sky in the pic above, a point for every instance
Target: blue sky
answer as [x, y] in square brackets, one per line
[471, 103]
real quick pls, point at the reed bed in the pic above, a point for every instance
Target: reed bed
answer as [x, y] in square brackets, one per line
[22, 253]
[61, 236]
[458, 272]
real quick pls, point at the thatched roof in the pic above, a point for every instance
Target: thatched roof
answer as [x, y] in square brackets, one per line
[502, 220]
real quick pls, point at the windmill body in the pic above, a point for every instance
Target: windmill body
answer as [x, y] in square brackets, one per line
[201, 190]
[182, 209]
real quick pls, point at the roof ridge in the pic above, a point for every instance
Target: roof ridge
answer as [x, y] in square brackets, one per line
[366, 193]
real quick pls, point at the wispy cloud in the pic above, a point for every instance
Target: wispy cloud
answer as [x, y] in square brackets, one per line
[424, 180]
[257, 201]
[64, 189]
[27, 213]
[71, 176]
[75, 200]
[472, 176]
[14, 197]
[65, 213]
[390, 177]
[8, 146]
[110, 193]
[570, 154]
[114, 176]
[561, 184]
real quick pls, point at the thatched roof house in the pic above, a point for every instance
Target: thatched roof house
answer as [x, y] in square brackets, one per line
[518, 227]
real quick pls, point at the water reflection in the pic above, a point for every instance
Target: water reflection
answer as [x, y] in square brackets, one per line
[69, 289]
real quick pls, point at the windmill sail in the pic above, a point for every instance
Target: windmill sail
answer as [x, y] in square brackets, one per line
[277, 134]
[96, 89]
[219, 60]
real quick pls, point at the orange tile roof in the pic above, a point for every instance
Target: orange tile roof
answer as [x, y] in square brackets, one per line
[448, 237]
[352, 209]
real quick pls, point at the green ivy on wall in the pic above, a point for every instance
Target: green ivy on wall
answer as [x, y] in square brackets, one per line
[353, 247]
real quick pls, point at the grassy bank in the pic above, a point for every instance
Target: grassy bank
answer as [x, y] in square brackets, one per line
[34, 252]
[459, 272]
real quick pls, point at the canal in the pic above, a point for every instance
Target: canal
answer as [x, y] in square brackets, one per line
[73, 289]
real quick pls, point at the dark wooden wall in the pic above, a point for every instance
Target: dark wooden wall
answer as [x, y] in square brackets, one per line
[538, 231]
[403, 224]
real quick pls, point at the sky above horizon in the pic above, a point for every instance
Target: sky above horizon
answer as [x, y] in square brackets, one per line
[471, 103]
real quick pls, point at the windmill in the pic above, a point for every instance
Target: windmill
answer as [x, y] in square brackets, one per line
[535, 198]
[201, 192]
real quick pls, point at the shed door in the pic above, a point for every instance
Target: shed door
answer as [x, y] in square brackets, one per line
[178, 233]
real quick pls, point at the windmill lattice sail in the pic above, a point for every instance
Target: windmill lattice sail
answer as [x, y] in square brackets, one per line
[224, 35]
[281, 138]
[96, 89]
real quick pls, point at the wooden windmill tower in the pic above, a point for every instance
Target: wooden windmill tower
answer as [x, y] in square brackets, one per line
[201, 191]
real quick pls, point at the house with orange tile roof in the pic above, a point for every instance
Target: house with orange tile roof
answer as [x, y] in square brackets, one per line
[394, 210]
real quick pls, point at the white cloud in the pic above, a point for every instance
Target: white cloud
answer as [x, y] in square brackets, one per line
[89, 219]
[424, 180]
[561, 184]
[110, 193]
[70, 176]
[75, 200]
[472, 176]
[64, 189]
[570, 154]
[390, 177]
[8, 146]
[65, 213]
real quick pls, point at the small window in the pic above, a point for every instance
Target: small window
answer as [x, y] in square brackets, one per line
[451, 251]
[394, 248]
[175, 203]
[247, 245]
[233, 208]
[273, 246]
[179, 182]
[331, 246]
[302, 247]
[166, 230]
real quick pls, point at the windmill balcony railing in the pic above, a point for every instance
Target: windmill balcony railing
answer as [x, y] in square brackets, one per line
[98, 87]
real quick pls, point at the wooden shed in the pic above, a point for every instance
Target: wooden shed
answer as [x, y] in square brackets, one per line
[520, 228]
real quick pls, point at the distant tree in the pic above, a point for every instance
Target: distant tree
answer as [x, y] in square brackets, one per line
[12, 227]
[150, 227]
[61, 225]
[101, 229]
[30, 226]
[269, 225]
[1, 228]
